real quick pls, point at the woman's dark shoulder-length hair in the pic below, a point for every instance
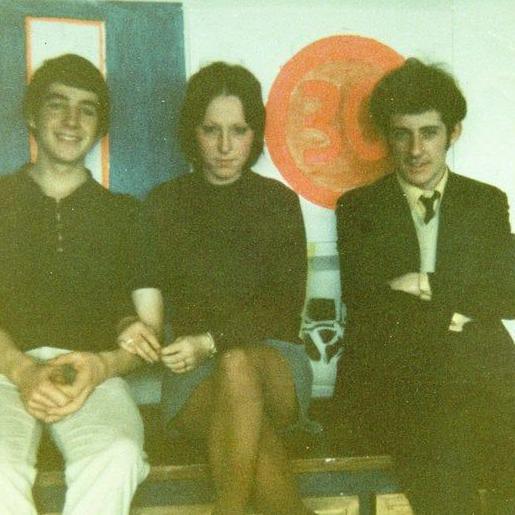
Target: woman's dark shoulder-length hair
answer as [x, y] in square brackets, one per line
[209, 82]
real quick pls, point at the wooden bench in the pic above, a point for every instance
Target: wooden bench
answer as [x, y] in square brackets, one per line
[179, 486]
[330, 472]
[179, 481]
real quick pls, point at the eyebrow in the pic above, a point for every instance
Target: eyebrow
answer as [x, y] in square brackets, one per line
[59, 96]
[403, 128]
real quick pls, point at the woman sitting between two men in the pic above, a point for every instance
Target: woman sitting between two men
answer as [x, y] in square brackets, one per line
[227, 249]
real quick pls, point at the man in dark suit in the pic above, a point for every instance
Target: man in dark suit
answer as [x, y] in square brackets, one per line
[428, 274]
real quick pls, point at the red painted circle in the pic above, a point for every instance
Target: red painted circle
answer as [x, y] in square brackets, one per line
[318, 132]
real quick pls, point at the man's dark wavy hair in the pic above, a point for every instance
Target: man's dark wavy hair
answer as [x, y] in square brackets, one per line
[415, 88]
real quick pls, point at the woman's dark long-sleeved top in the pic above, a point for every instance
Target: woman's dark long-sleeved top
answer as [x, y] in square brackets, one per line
[231, 259]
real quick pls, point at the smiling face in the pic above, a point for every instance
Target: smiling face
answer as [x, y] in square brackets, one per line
[66, 126]
[419, 144]
[224, 140]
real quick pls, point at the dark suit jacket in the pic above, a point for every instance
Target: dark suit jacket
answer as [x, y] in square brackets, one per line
[396, 342]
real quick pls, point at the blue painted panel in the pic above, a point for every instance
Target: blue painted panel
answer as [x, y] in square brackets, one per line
[146, 74]
[14, 146]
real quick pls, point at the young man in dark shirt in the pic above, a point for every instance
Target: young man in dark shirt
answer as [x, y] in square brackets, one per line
[427, 275]
[66, 249]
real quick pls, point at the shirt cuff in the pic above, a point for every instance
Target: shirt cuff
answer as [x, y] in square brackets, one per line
[458, 321]
[424, 287]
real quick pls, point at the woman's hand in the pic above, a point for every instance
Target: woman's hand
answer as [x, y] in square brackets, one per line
[141, 340]
[187, 352]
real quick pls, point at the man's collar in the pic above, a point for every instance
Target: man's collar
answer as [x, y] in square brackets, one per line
[31, 186]
[413, 193]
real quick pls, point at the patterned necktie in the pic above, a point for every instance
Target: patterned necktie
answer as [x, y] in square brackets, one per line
[429, 205]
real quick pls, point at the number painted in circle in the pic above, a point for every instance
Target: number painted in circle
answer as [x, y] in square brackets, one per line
[318, 131]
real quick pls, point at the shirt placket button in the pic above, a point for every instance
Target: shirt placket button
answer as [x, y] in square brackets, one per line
[59, 228]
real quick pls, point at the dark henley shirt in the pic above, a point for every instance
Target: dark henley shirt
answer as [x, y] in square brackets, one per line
[66, 267]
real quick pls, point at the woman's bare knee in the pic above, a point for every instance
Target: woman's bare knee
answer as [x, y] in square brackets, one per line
[236, 365]
[237, 378]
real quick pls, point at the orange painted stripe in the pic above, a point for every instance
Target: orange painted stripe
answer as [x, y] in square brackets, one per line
[71, 21]
[104, 151]
[28, 73]
[28, 46]
[104, 148]
[102, 46]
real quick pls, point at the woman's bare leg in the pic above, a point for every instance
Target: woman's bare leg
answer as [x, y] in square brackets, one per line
[236, 430]
[246, 455]
[275, 488]
[227, 410]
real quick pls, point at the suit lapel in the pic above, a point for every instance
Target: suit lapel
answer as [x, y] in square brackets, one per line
[399, 228]
[453, 225]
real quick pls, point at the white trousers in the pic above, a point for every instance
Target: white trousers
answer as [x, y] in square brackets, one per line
[102, 446]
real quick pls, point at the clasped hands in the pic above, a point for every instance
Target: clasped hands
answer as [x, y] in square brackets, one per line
[182, 355]
[59, 387]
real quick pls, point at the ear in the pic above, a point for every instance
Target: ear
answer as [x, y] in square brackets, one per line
[455, 133]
